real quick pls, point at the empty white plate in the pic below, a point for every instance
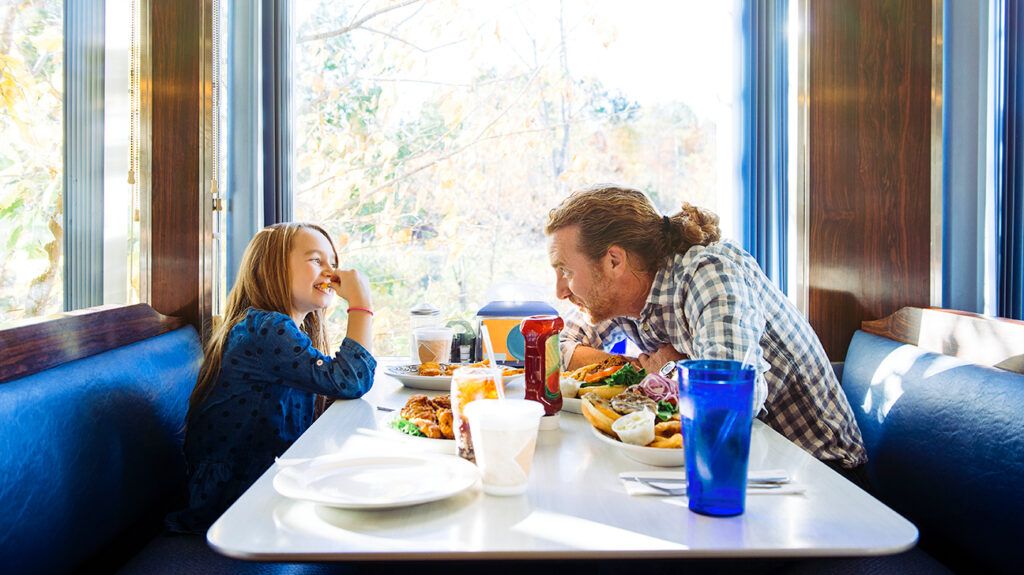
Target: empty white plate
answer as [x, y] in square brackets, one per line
[376, 482]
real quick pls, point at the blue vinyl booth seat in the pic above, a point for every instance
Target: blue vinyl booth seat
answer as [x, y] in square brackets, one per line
[89, 447]
[91, 460]
[945, 441]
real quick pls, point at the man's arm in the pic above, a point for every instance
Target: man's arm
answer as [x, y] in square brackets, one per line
[654, 361]
[584, 355]
[580, 343]
[715, 313]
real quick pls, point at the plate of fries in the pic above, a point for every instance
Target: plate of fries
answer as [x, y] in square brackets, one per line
[438, 376]
[657, 456]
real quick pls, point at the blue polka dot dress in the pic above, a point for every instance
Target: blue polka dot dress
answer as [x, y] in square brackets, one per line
[262, 401]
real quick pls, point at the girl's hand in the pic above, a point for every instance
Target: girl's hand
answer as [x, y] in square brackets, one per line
[353, 287]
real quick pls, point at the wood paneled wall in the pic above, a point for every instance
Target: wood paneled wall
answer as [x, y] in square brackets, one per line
[175, 32]
[869, 207]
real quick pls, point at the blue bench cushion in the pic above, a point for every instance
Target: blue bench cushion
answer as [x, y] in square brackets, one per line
[945, 442]
[87, 448]
[912, 562]
[174, 554]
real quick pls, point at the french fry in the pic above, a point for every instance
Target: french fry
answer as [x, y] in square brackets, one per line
[674, 442]
[430, 369]
[667, 428]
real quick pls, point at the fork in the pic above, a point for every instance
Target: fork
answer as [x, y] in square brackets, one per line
[682, 480]
[677, 491]
[757, 480]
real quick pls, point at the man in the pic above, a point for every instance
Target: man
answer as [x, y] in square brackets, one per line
[676, 290]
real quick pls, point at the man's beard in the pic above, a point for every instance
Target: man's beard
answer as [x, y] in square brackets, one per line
[598, 305]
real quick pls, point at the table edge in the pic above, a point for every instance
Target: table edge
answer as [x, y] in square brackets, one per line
[559, 555]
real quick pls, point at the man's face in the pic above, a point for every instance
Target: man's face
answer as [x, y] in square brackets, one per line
[578, 279]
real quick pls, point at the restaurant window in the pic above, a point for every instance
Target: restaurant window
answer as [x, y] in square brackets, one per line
[69, 231]
[31, 159]
[432, 139]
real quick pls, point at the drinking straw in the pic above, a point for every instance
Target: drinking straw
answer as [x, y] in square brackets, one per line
[500, 386]
[748, 358]
[748, 362]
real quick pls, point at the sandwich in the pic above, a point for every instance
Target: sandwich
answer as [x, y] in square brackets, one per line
[607, 378]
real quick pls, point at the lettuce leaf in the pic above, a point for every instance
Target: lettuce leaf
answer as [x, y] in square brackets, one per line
[665, 410]
[626, 376]
[405, 426]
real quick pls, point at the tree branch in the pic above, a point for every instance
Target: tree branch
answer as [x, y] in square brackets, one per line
[356, 23]
[6, 32]
[439, 83]
[360, 9]
[408, 43]
[393, 37]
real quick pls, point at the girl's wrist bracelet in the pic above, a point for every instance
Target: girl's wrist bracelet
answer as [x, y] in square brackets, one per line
[363, 309]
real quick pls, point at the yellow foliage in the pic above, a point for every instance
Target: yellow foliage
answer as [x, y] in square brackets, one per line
[50, 42]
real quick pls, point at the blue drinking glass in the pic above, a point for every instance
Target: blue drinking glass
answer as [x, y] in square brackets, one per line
[716, 403]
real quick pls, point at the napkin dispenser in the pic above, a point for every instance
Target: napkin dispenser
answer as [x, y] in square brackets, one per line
[502, 319]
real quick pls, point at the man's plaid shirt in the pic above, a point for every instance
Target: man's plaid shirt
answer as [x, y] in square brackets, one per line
[713, 302]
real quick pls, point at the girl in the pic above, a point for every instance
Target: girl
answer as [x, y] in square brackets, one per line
[265, 365]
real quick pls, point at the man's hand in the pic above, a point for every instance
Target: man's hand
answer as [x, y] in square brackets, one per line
[652, 362]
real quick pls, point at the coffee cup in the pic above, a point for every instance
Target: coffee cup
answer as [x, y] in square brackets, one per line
[433, 344]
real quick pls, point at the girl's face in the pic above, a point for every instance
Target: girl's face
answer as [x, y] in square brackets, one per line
[311, 266]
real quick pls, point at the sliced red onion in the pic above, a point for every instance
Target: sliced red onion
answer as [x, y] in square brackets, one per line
[659, 388]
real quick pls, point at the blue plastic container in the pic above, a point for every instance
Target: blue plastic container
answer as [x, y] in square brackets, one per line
[502, 319]
[716, 400]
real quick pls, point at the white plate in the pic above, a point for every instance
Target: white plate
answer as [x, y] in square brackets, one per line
[657, 456]
[410, 377]
[572, 405]
[376, 482]
[421, 443]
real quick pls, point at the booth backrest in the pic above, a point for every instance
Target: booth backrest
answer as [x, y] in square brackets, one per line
[945, 442]
[87, 447]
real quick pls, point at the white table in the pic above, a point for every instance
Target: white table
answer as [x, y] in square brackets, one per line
[575, 508]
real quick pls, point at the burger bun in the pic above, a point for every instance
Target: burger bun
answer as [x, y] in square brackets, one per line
[599, 413]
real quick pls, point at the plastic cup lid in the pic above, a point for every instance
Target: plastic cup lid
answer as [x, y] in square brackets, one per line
[504, 413]
[424, 309]
[433, 332]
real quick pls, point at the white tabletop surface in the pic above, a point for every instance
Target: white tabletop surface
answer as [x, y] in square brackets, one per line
[575, 507]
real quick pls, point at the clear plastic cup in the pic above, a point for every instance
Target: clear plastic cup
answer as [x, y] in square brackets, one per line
[470, 384]
[433, 344]
[504, 438]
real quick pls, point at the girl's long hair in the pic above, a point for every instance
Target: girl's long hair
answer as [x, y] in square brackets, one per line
[262, 283]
